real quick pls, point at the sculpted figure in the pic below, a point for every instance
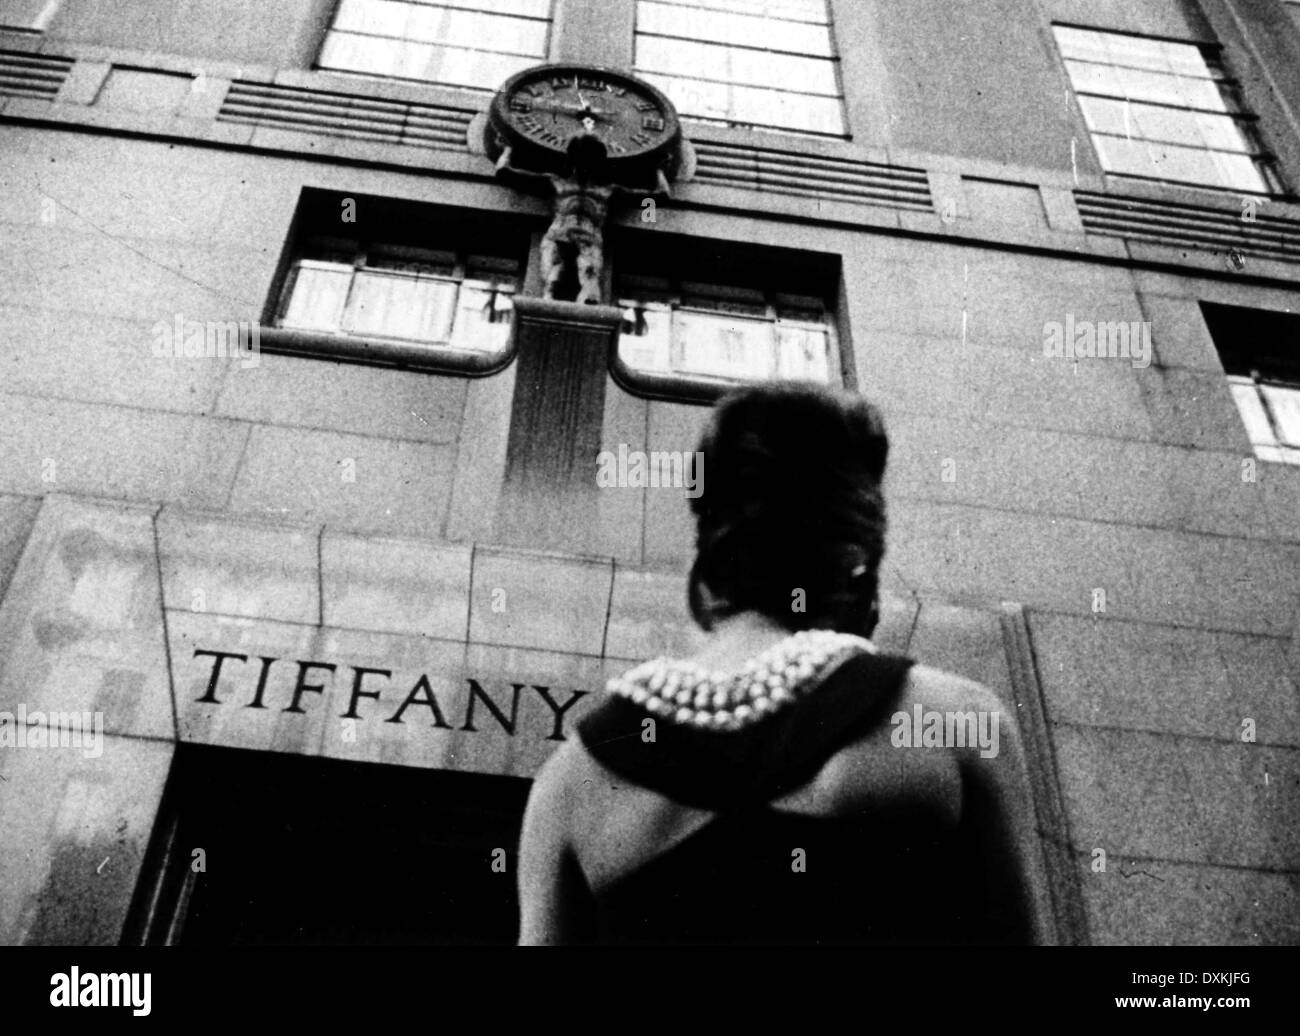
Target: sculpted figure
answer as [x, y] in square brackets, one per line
[574, 245]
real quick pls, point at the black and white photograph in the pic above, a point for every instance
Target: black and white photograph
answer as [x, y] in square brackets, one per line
[684, 475]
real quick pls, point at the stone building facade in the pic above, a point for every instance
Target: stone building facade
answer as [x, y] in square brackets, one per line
[368, 587]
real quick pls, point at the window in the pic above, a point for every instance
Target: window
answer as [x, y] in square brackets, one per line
[769, 64]
[434, 298]
[424, 287]
[1260, 350]
[716, 331]
[475, 44]
[701, 316]
[33, 15]
[1159, 110]
[1271, 412]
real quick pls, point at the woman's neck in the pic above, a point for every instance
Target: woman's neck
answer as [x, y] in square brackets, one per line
[736, 639]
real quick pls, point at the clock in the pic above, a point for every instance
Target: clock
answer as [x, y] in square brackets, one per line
[549, 114]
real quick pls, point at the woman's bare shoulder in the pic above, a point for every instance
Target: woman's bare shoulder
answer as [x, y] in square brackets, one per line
[943, 691]
[610, 823]
[573, 782]
[1001, 754]
[566, 770]
[557, 791]
[872, 767]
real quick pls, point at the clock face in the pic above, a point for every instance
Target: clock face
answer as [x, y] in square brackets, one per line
[550, 105]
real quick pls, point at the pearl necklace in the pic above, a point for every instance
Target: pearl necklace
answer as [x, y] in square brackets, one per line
[690, 694]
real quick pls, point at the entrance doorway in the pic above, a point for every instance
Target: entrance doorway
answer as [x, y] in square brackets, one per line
[309, 851]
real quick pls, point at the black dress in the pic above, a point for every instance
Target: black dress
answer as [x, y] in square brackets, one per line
[757, 874]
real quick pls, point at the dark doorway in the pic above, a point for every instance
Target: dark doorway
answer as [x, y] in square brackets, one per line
[304, 851]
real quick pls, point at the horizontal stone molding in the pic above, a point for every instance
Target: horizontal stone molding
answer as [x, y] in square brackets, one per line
[1202, 227]
[812, 175]
[382, 124]
[346, 115]
[32, 75]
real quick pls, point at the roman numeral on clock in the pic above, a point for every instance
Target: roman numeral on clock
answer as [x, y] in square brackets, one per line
[641, 139]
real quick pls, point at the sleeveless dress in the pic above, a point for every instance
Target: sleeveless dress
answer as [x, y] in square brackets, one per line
[755, 874]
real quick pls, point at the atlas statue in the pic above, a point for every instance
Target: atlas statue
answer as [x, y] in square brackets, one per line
[589, 136]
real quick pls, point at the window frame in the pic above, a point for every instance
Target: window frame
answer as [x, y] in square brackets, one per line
[342, 346]
[1257, 349]
[1278, 450]
[694, 387]
[1248, 123]
[548, 48]
[834, 59]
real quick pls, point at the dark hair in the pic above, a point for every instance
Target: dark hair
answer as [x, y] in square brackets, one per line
[790, 501]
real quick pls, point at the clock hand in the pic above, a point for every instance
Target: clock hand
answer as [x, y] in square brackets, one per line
[552, 106]
[586, 104]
